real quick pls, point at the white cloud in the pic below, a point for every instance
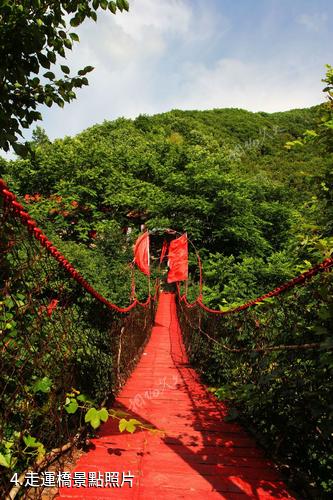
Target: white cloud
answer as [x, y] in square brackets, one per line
[313, 22]
[150, 30]
[131, 90]
[127, 51]
[163, 16]
[167, 54]
[256, 86]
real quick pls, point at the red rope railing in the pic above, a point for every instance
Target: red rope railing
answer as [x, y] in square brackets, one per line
[18, 211]
[325, 265]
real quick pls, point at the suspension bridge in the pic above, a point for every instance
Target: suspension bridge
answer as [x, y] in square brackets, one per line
[179, 446]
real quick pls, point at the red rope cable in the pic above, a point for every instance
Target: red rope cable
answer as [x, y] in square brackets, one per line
[200, 275]
[18, 211]
[322, 266]
[183, 298]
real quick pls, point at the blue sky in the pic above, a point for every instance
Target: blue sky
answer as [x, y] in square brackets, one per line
[265, 55]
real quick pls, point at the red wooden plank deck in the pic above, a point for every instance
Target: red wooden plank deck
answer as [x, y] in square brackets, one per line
[200, 456]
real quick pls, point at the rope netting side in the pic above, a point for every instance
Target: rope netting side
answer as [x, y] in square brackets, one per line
[58, 337]
[268, 326]
[192, 313]
[325, 265]
[10, 202]
[197, 313]
[272, 362]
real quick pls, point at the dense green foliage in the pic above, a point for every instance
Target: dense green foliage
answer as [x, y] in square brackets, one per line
[34, 34]
[62, 352]
[284, 396]
[257, 211]
[252, 207]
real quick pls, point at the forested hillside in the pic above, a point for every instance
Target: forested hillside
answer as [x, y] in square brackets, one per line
[250, 205]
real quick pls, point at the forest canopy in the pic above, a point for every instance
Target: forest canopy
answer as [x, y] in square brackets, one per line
[252, 206]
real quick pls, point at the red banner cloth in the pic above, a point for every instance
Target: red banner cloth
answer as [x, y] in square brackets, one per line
[178, 259]
[163, 251]
[141, 253]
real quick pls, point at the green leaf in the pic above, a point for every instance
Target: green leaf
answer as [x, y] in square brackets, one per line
[95, 422]
[75, 21]
[50, 75]
[9, 444]
[31, 442]
[48, 101]
[20, 149]
[41, 452]
[103, 414]
[329, 124]
[68, 43]
[74, 37]
[60, 102]
[65, 69]
[310, 134]
[131, 425]
[324, 313]
[52, 56]
[120, 5]
[42, 385]
[82, 397]
[92, 413]
[72, 406]
[122, 424]
[5, 460]
[44, 61]
[113, 7]
[135, 421]
[128, 425]
[320, 330]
